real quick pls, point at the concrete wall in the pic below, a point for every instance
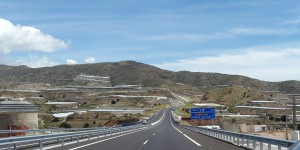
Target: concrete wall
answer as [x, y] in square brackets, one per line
[29, 120]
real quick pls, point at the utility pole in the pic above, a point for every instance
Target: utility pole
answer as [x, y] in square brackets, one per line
[295, 133]
[286, 123]
[294, 114]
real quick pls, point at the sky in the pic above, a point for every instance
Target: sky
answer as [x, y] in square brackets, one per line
[255, 38]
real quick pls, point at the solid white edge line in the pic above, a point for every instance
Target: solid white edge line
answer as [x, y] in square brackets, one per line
[184, 134]
[101, 141]
[145, 142]
[192, 140]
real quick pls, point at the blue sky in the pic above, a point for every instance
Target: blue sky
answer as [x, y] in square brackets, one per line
[255, 38]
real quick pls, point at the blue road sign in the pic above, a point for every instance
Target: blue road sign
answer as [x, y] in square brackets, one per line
[207, 110]
[203, 113]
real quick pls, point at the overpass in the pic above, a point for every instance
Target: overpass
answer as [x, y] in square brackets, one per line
[161, 132]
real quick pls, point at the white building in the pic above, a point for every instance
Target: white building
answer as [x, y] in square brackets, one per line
[290, 118]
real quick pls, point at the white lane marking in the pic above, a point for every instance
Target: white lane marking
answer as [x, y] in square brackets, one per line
[145, 142]
[175, 127]
[153, 133]
[101, 141]
[192, 140]
[83, 140]
[184, 134]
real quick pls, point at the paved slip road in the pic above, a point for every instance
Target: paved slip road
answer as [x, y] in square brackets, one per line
[165, 136]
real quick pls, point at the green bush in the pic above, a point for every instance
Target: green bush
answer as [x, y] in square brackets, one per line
[86, 125]
[55, 120]
[65, 125]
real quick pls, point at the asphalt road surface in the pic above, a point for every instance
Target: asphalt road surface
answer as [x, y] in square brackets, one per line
[164, 136]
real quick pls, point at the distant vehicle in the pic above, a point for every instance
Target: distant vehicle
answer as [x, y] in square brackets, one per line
[144, 121]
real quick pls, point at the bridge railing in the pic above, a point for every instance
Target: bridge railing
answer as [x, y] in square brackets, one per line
[46, 131]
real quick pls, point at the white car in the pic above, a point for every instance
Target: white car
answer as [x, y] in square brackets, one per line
[144, 121]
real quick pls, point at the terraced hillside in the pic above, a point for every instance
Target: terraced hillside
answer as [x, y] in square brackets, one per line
[130, 72]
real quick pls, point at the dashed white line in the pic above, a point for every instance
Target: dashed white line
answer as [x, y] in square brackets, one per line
[145, 142]
[153, 133]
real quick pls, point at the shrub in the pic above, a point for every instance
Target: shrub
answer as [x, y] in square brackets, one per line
[113, 102]
[278, 119]
[86, 125]
[65, 125]
[233, 120]
[283, 118]
[55, 120]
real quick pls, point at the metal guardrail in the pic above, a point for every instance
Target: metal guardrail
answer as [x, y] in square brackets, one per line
[244, 140]
[70, 134]
[48, 131]
[12, 142]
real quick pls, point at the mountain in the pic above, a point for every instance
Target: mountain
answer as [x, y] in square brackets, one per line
[131, 72]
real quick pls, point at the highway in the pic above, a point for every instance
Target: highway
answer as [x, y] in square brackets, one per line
[165, 135]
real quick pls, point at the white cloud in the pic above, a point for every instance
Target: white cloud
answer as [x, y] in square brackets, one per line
[264, 31]
[291, 22]
[234, 32]
[35, 61]
[90, 60]
[26, 38]
[71, 61]
[259, 63]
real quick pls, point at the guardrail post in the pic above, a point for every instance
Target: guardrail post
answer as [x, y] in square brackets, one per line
[261, 146]
[242, 141]
[9, 147]
[279, 147]
[62, 141]
[269, 146]
[247, 142]
[254, 144]
[41, 144]
[77, 139]
[15, 146]
[238, 141]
